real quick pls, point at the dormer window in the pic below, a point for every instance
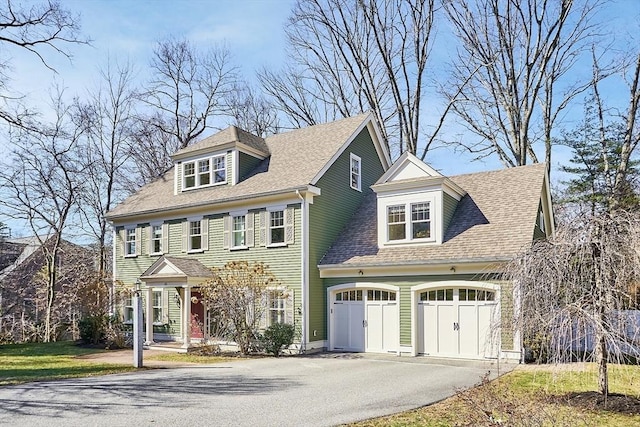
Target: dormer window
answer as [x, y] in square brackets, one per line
[418, 229]
[204, 172]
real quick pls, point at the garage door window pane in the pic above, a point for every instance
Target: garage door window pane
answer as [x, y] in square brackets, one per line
[358, 295]
[449, 294]
[491, 296]
[339, 296]
[472, 294]
[432, 295]
[462, 294]
[392, 296]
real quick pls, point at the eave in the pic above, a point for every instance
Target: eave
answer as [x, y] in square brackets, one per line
[417, 268]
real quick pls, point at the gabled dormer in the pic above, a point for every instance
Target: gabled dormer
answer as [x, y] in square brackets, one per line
[221, 159]
[415, 203]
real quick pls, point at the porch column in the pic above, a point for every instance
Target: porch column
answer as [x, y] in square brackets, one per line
[149, 319]
[186, 317]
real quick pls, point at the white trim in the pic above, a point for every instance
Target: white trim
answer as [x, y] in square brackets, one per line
[436, 218]
[212, 175]
[412, 269]
[235, 162]
[364, 286]
[357, 158]
[415, 289]
[376, 142]
[304, 259]
[407, 157]
[175, 178]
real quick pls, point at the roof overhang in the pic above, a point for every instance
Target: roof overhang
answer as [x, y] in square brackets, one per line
[289, 195]
[210, 150]
[430, 268]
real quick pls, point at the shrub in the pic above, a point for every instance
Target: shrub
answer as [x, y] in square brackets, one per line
[93, 329]
[276, 337]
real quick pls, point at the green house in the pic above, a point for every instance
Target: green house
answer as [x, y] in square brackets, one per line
[375, 257]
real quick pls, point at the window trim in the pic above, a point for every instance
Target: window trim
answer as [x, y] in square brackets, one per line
[233, 231]
[357, 174]
[409, 222]
[159, 307]
[212, 171]
[134, 232]
[281, 308]
[190, 249]
[153, 239]
[270, 227]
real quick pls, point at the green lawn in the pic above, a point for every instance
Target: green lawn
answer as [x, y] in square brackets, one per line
[545, 396]
[21, 363]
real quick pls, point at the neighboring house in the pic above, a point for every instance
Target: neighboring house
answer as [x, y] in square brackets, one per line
[23, 280]
[301, 202]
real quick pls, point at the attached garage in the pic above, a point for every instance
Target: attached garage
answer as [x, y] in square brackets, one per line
[457, 321]
[364, 319]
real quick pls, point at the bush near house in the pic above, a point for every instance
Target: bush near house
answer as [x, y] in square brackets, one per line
[277, 337]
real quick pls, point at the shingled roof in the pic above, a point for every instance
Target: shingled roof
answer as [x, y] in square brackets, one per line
[230, 135]
[494, 221]
[296, 158]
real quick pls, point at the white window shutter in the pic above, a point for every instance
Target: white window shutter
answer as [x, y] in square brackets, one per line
[289, 226]
[185, 236]
[263, 228]
[165, 238]
[226, 232]
[149, 233]
[289, 304]
[123, 237]
[249, 238]
[205, 233]
[138, 240]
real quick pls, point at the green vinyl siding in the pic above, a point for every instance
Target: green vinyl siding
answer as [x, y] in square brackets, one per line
[329, 214]
[405, 283]
[449, 204]
[246, 164]
[284, 262]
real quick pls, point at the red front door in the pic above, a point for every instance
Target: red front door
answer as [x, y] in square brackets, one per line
[197, 315]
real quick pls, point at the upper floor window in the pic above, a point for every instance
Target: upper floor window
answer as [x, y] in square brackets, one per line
[396, 222]
[204, 172]
[356, 172]
[418, 228]
[156, 239]
[130, 242]
[276, 227]
[195, 235]
[239, 231]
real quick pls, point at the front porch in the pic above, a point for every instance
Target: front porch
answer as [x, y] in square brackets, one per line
[185, 276]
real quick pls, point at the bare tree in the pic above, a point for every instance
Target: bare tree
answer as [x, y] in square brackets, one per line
[107, 114]
[187, 89]
[511, 79]
[40, 29]
[349, 57]
[252, 112]
[577, 290]
[237, 295]
[41, 186]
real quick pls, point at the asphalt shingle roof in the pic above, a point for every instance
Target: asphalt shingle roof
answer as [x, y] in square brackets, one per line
[191, 267]
[494, 221]
[296, 157]
[230, 134]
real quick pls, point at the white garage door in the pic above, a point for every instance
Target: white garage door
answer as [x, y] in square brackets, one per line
[457, 322]
[365, 320]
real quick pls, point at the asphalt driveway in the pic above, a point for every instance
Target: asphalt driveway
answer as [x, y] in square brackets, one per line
[325, 389]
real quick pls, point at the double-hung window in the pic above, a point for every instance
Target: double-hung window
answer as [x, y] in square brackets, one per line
[276, 227]
[219, 169]
[396, 223]
[204, 172]
[409, 222]
[420, 221]
[277, 305]
[157, 307]
[195, 235]
[130, 242]
[156, 239]
[239, 231]
[356, 172]
[127, 309]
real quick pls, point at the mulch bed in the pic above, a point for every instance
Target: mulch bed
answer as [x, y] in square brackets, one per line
[618, 403]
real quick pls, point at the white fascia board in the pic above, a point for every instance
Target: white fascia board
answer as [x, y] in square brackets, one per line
[405, 158]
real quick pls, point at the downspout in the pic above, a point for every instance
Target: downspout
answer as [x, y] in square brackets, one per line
[304, 270]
